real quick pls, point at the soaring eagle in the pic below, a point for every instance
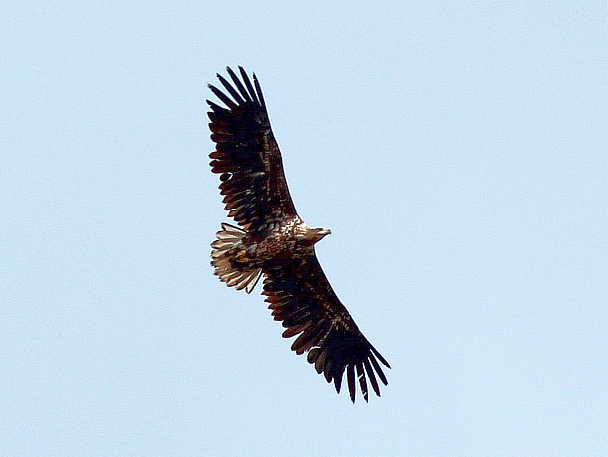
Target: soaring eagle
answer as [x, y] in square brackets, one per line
[272, 240]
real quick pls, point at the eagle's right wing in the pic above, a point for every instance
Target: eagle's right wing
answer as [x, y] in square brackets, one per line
[301, 297]
[247, 156]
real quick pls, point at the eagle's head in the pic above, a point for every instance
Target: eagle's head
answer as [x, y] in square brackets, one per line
[319, 233]
[309, 235]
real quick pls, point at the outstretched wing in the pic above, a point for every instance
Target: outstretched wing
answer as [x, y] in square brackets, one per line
[247, 156]
[301, 297]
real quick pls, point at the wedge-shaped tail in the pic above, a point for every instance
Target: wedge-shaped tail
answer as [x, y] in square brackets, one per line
[224, 253]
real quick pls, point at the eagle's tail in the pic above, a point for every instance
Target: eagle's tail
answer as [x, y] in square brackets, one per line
[224, 258]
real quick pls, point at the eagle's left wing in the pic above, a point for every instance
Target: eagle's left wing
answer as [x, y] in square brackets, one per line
[247, 156]
[301, 297]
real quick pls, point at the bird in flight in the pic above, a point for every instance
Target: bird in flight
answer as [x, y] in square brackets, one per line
[272, 241]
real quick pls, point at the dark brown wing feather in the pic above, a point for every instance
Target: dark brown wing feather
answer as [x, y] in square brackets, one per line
[301, 297]
[247, 156]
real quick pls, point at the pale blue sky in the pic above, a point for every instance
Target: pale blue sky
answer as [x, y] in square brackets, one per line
[458, 152]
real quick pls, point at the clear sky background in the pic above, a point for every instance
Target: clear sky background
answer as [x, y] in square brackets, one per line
[458, 152]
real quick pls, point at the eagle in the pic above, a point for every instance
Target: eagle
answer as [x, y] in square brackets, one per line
[271, 240]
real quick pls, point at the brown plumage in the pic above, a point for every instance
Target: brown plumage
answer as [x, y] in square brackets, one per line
[275, 242]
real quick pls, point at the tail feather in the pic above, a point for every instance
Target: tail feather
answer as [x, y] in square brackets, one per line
[223, 254]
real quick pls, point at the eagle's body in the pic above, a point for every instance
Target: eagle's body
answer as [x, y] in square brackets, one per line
[237, 253]
[275, 242]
